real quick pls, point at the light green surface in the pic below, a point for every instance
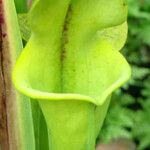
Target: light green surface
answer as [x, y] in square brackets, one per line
[73, 72]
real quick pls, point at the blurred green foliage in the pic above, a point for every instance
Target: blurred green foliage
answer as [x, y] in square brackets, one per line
[129, 113]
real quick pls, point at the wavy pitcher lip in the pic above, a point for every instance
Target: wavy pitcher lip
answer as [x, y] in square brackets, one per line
[25, 87]
[41, 95]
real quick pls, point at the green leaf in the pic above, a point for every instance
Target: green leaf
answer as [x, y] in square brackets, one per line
[20, 125]
[21, 6]
[40, 127]
[72, 72]
[24, 26]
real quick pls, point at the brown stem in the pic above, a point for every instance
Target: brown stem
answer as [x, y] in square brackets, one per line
[3, 114]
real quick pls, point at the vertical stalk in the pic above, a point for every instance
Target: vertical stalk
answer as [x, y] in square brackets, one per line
[19, 117]
[3, 115]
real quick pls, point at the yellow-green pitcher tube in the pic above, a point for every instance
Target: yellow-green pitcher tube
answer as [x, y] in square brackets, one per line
[71, 124]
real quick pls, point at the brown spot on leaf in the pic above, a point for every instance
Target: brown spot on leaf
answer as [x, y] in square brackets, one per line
[65, 39]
